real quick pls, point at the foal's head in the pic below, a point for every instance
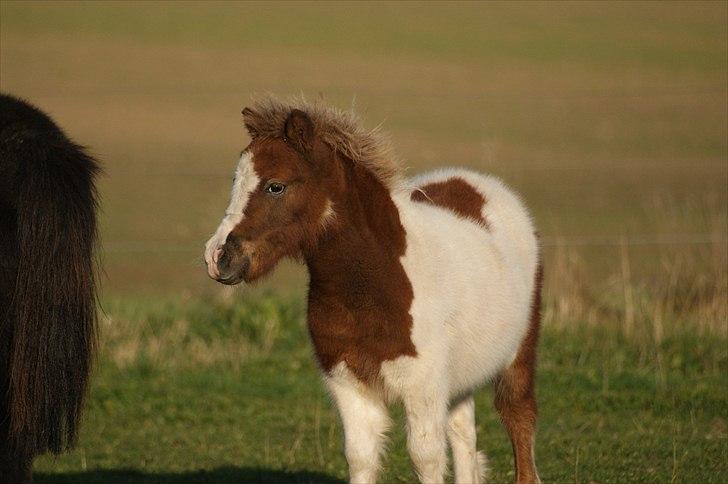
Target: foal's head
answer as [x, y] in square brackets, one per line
[281, 200]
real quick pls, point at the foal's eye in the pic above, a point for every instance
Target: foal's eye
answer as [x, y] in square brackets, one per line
[275, 188]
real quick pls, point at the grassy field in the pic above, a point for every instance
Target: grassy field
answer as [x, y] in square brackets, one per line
[221, 391]
[632, 386]
[609, 118]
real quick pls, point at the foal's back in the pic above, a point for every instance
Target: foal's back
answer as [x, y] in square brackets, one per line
[487, 201]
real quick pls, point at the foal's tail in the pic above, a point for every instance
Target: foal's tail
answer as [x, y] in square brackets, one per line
[53, 305]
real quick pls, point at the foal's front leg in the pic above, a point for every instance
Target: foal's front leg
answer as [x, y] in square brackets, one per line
[365, 420]
[426, 431]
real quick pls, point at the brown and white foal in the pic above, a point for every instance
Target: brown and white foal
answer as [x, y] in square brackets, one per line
[420, 290]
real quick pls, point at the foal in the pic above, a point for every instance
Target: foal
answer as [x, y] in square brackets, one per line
[420, 291]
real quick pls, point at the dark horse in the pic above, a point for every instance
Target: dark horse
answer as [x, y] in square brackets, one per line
[47, 288]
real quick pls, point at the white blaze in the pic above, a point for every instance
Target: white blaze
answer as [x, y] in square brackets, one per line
[245, 182]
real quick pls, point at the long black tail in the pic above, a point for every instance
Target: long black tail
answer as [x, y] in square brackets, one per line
[52, 310]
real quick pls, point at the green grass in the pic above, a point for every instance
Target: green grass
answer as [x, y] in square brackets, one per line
[610, 410]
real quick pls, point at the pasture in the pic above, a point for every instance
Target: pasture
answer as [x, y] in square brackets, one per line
[609, 119]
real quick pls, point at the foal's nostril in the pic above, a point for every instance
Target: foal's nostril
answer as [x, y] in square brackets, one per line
[232, 269]
[224, 259]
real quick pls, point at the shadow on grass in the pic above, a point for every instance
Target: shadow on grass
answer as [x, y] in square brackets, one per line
[221, 475]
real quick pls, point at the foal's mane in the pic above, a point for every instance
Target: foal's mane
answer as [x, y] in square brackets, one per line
[341, 130]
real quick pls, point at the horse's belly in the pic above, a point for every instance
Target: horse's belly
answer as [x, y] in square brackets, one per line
[483, 342]
[487, 321]
[471, 320]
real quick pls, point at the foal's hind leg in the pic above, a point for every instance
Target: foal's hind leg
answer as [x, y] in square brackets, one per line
[516, 405]
[469, 463]
[515, 396]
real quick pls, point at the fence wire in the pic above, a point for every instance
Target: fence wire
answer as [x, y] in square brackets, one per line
[176, 246]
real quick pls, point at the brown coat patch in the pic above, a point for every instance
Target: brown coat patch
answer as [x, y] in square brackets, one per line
[359, 293]
[454, 194]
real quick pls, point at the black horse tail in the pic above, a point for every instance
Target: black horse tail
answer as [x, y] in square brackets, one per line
[52, 311]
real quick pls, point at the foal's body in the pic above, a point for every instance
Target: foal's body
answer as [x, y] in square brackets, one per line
[468, 321]
[468, 290]
[420, 291]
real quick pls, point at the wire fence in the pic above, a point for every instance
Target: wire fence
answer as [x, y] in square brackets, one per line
[178, 246]
[633, 240]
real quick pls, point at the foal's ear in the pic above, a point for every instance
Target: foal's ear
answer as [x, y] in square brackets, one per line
[299, 130]
[248, 117]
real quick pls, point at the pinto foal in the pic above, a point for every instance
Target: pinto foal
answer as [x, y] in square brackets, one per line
[420, 290]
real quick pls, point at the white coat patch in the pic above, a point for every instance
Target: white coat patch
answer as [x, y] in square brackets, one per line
[246, 180]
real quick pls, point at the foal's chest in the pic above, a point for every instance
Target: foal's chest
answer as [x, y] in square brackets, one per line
[363, 336]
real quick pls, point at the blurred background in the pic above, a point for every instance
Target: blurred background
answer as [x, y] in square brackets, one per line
[611, 120]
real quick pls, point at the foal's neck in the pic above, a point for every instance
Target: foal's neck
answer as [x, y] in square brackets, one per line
[359, 293]
[367, 241]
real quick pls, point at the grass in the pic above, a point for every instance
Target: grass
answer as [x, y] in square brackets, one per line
[219, 390]
[609, 119]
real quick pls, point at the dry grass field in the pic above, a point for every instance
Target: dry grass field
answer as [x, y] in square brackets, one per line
[609, 118]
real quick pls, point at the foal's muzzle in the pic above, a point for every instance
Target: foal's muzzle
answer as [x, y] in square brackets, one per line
[232, 265]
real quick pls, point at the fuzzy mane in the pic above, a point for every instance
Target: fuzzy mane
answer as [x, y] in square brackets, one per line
[341, 130]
